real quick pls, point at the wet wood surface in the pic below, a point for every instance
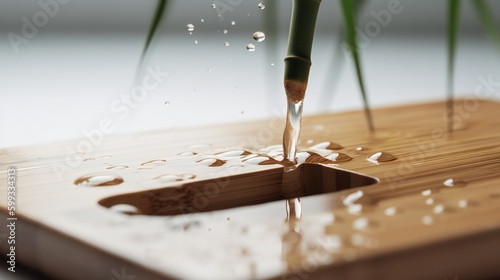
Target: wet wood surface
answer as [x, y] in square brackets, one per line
[407, 202]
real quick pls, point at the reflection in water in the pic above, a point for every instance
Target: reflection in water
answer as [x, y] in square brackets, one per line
[293, 249]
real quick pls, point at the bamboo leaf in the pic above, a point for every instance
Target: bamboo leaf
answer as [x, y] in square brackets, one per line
[337, 63]
[487, 19]
[453, 20]
[161, 8]
[348, 11]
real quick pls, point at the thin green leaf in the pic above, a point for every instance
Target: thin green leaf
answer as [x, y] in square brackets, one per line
[348, 11]
[160, 11]
[337, 63]
[453, 20]
[487, 19]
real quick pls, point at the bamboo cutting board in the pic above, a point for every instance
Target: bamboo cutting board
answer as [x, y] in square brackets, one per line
[407, 202]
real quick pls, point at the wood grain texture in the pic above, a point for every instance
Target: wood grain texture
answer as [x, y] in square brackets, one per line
[409, 225]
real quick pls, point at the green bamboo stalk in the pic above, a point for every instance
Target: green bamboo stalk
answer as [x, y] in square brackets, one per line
[300, 39]
[160, 10]
[488, 21]
[453, 19]
[349, 12]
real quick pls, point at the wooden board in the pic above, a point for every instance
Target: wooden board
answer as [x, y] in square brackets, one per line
[361, 219]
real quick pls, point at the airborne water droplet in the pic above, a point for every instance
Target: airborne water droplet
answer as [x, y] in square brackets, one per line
[190, 27]
[196, 41]
[226, 44]
[233, 22]
[167, 103]
[213, 6]
[225, 31]
[259, 36]
[202, 20]
[98, 180]
[261, 6]
[250, 47]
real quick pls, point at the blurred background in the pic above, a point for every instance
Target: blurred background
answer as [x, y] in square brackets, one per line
[67, 65]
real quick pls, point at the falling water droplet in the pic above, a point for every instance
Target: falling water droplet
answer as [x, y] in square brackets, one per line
[202, 20]
[242, 112]
[233, 22]
[261, 6]
[196, 42]
[250, 47]
[226, 44]
[450, 183]
[429, 201]
[98, 180]
[272, 64]
[190, 27]
[225, 31]
[391, 211]
[381, 157]
[310, 141]
[209, 70]
[213, 6]
[167, 103]
[360, 149]
[259, 36]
